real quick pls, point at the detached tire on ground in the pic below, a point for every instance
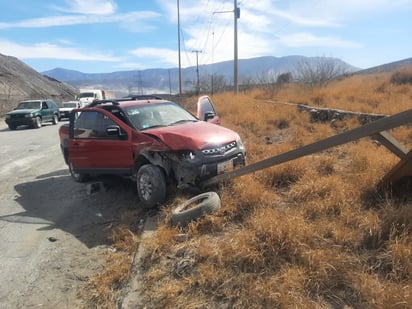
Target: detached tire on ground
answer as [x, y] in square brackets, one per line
[196, 207]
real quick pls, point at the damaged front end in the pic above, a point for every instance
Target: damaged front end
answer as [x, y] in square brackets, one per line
[187, 168]
[191, 167]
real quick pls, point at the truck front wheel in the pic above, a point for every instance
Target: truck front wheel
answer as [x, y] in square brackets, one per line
[37, 122]
[151, 185]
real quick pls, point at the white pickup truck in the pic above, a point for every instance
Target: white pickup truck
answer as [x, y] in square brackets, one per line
[67, 107]
[87, 96]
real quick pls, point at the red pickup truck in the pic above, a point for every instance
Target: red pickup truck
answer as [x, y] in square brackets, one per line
[156, 142]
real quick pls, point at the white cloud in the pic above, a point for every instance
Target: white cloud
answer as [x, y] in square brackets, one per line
[168, 56]
[305, 21]
[87, 7]
[69, 20]
[305, 39]
[52, 51]
[337, 11]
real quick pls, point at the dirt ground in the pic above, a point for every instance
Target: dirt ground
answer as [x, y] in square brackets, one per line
[54, 232]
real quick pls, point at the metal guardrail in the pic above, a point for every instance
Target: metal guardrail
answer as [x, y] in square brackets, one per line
[377, 129]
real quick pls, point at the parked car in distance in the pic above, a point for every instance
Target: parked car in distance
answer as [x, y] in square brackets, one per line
[67, 107]
[153, 141]
[33, 113]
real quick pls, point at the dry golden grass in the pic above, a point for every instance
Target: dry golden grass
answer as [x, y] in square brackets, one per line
[310, 233]
[360, 93]
[104, 290]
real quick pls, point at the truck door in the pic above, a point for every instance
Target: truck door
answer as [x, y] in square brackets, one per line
[206, 111]
[94, 149]
[46, 111]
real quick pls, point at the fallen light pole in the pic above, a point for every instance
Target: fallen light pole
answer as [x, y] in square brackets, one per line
[377, 129]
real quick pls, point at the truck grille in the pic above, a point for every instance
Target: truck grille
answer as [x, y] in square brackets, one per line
[220, 150]
[15, 116]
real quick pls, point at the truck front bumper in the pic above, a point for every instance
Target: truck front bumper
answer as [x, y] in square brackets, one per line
[190, 173]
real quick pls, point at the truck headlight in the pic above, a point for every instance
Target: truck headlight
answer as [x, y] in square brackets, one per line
[188, 155]
[8, 116]
[240, 143]
[28, 115]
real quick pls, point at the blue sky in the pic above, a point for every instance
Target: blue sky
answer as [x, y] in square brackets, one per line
[95, 36]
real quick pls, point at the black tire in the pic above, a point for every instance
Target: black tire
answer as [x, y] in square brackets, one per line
[55, 119]
[151, 185]
[12, 126]
[205, 203]
[78, 177]
[37, 122]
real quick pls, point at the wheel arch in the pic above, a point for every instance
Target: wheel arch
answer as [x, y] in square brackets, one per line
[65, 150]
[152, 157]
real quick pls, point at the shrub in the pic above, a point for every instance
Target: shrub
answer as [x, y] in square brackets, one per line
[402, 77]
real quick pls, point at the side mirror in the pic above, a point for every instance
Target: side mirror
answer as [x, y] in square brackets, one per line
[209, 116]
[115, 131]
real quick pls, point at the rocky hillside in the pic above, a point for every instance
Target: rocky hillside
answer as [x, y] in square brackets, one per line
[19, 82]
[387, 67]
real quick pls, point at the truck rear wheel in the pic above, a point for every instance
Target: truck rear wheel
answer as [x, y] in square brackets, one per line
[151, 185]
[55, 119]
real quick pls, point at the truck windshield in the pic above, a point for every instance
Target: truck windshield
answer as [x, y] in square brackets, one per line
[29, 105]
[148, 116]
[86, 95]
[74, 105]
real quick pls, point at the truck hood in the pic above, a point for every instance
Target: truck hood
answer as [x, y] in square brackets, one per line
[86, 100]
[22, 111]
[193, 135]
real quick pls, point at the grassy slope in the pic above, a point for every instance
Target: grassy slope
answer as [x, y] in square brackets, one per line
[310, 233]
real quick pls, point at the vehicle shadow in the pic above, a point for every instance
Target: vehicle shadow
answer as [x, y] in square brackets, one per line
[23, 128]
[88, 211]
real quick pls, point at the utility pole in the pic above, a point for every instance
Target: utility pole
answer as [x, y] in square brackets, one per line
[236, 14]
[170, 84]
[178, 42]
[197, 70]
[213, 61]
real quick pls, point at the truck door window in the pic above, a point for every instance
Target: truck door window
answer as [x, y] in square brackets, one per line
[205, 106]
[92, 125]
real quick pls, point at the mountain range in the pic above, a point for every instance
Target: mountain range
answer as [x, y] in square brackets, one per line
[167, 80]
[19, 81]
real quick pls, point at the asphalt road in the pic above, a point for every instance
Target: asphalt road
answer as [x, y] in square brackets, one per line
[53, 232]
